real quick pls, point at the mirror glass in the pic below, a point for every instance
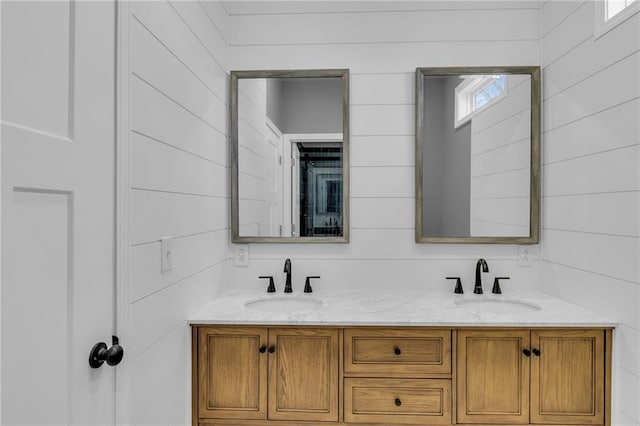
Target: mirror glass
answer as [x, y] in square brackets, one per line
[290, 179]
[477, 155]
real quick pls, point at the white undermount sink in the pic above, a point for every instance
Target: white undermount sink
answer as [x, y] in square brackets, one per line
[284, 304]
[498, 306]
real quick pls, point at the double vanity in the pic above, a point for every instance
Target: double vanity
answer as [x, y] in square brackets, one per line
[412, 358]
[306, 357]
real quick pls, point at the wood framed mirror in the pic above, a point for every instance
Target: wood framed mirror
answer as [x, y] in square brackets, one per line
[290, 156]
[477, 155]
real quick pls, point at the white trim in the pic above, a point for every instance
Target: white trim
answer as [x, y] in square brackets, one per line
[603, 26]
[122, 388]
[1, 197]
[313, 137]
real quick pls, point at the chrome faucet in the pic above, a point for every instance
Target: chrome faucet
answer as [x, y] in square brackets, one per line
[477, 289]
[287, 269]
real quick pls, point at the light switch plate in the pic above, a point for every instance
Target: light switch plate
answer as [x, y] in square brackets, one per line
[166, 253]
[241, 255]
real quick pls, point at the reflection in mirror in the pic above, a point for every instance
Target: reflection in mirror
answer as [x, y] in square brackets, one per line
[289, 179]
[477, 147]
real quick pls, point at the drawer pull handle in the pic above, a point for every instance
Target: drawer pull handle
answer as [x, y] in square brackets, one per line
[526, 352]
[272, 349]
[262, 349]
[398, 402]
[536, 352]
[397, 350]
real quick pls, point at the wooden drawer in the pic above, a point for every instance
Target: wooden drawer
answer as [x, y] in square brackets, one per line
[397, 352]
[404, 401]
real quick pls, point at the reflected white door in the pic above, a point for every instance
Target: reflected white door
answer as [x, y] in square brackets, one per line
[273, 180]
[58, 161]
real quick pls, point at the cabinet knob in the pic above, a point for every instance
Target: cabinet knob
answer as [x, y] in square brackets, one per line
[397, 350]
[262, 349]
[398, 402]
[272, 349]
[536, 352]
[526, 352]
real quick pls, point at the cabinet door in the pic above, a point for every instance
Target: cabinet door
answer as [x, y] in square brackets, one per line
[303, 374]
[567, 376]
[232, 373]
[493, 376]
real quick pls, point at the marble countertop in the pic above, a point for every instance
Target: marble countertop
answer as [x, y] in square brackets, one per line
[401, 309]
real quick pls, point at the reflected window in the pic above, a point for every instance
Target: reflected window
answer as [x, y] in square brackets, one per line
[476, 92]
[484, 95]
[613, 7]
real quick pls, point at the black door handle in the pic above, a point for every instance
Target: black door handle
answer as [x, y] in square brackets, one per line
[397, 350]
[526, 352]
[99, 354]
[272, 349]
[536, 351]
[398, 402]
[262, 349]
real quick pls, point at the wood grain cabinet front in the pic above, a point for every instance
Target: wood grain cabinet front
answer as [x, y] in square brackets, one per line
[537, 376]
[290, 376]
[303, 374]
[493, 376]
[232, 372]
[397, 401]
[397, 376]
[568, 376]
[256, 373]
[397, 352]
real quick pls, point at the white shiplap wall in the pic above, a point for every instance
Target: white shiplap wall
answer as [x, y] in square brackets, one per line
[501, 163]
[381, 43]
[252, 156]
[591, 173]
[178, 91]
[175, 68]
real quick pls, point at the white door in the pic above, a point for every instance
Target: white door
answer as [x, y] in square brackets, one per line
[273, 180]
[58, 163]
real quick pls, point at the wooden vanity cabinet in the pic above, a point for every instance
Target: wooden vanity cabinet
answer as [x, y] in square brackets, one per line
[522, 376]
[371, 376]
[257, 373]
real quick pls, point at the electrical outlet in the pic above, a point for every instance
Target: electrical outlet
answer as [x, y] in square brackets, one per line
[166, 253]
[526, 256]
[241, 255]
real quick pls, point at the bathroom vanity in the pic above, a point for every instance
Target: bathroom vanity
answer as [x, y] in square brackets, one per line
[431, 359]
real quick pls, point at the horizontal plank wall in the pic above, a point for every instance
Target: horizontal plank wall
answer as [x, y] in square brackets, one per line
[252, 156]
[381, 43]
[591, 174]
[177, 88]
[500, 163]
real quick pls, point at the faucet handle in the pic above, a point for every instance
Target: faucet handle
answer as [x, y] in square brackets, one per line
[458, 289]
[496, 285]
[307, 284]
[272, 286]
